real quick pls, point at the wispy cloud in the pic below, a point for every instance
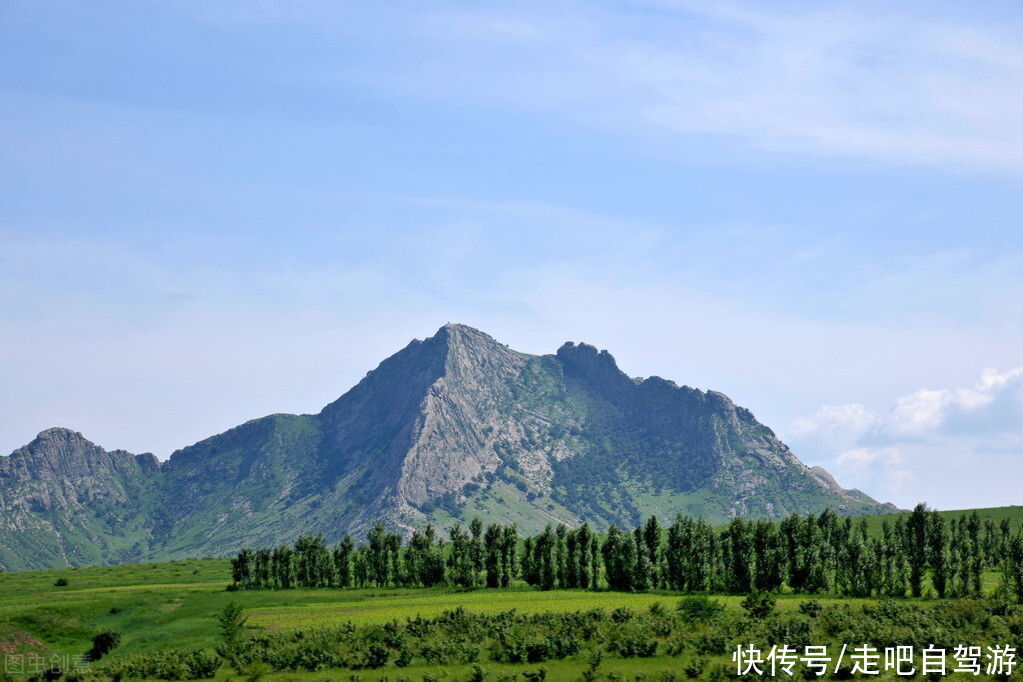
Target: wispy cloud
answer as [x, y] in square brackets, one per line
[904, 84]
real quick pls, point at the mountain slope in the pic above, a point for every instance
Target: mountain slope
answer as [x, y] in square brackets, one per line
[66, 501]
[450, 427]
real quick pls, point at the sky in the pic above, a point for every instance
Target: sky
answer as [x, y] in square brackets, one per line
[210, 212]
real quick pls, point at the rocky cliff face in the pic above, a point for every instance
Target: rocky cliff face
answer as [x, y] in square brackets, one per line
[64, 500]
[448, 428]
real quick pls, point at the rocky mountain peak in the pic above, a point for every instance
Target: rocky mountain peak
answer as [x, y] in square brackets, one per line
[449, 427]
[598, 368]
[59, 436]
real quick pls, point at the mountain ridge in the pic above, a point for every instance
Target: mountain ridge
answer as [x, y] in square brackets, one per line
[450, 426]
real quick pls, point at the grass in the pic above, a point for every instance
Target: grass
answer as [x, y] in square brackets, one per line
[996, 514]
[174, 604]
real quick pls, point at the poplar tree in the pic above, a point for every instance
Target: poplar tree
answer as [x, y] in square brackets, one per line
[976, 556]
[769, 564]
[241, 569]
[529, 572]
[492, 544]
[652, 547]
[737, 556]
[544, 556]
[461, 560]
[641, 579]
[571, 559]
[560, 555]
[282, 567]
[937, 551]
[619, 559]
[1012, 565]
[476, 549]
[343, 561]
[584, 539]
[915, 545]
[509, 547]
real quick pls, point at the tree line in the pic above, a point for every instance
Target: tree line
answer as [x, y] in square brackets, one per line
[918, 554]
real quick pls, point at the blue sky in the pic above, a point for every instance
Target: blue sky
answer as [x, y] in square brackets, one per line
[214, 211]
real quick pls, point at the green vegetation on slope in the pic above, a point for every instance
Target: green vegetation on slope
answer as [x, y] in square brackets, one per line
[452, 427]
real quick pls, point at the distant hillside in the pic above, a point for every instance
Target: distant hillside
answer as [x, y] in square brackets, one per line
[448, 428]
[996, 515]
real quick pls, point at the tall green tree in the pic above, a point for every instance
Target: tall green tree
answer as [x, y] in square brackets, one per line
[493, 540]
[343, 561]
[584, 539]
[937, 552]
[915, 544]
[652, 547]
[509, 547]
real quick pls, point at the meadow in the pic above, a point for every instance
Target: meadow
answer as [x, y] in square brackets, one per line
[175, 606]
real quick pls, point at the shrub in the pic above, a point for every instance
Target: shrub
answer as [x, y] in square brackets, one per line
[759, 604]
[404, 657]
[635, 645]
[621, 614]
[102, 644]
[811, 608]
[255, 671]
[478, 674]
[694, 668]
[232, 628]
[700, 609]
[60, 582]
[376, 656]
[711, 644]
[170, 664]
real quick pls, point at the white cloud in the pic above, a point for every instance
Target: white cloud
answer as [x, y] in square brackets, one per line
[952, 442]
[853, 418]
[993, 406]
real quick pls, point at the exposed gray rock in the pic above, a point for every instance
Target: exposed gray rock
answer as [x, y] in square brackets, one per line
[449, 427]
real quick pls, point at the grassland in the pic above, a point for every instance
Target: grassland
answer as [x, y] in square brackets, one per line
[154, 604]
[1014, 514]
[175, 604]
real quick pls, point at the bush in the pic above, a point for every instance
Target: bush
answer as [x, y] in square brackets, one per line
[811, 608]
[635, 645]
[170, 664]
[478, 674]
[102, 644]
[759, 604]
[232, 628]
[61, 582]
[699, 609]
[694, 668]
[711, 644]
[621, 614]
[376, 656]
[404, 657]
[255, 671]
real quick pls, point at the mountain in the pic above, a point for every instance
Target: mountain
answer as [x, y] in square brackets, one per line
[65, 501]
[448, 428]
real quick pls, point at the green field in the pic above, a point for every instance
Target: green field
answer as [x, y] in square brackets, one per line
[995, 514]
[179, 601]
[174, 605]
[157, 606]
